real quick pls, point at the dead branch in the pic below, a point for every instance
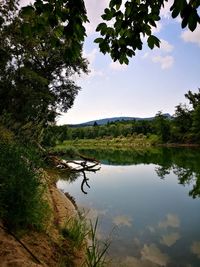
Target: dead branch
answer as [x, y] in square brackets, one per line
[82, 167]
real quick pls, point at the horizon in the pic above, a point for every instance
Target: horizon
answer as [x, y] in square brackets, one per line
[116, 117]
[155, 80]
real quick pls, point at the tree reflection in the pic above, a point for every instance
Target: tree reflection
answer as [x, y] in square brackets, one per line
[186, 176]
[182, 161]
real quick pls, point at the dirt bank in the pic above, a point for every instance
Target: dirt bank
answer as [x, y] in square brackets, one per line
[45, 248]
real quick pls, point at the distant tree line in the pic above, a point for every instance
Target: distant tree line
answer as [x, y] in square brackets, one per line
[183, 127]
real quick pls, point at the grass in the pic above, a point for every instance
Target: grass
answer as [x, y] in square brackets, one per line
[76, 229]
[84, 236]
[22, 206]
[96, 252]
[134, 142]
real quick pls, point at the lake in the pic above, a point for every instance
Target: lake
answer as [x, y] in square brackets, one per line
[147, 202]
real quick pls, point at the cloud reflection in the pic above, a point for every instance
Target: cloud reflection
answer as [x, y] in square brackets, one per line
[170, 239]
[195, 248]
[122, 220]
[171, 220]
[134, 262]
[153, 254]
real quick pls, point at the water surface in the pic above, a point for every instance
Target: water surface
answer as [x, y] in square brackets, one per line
[149, 202]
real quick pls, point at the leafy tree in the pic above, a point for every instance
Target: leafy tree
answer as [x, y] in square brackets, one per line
[182, 122]
[37, 63]
[123, 36]
[130, 21]
[162, 125]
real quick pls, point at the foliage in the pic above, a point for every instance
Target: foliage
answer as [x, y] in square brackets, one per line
[96, 252]
[134, 20]
[183, 127]
[76, 230]
[37, 63]
[130, 22]
[21, 193]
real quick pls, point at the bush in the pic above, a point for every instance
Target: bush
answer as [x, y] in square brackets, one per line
[21, 192]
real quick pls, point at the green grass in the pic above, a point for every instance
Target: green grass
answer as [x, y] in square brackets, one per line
[76, 229]
[96, 252]
[138, 141]
[84, 236]
[22, 206]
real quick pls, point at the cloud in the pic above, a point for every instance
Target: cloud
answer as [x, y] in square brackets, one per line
[192, 37]
[153, 254]
[91, 57]
[170, 239]
[94, 9]
[165, 11]
[171, 220]
[165, 46]
[157, 28]
[117, 66]
[122, 221]
[165, 61]
[161, 55]
[195, 248]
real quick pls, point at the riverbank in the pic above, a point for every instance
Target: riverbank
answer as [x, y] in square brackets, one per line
[45, 248]
[139, 142]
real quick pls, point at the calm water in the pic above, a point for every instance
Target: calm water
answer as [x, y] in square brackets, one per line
[148, 202]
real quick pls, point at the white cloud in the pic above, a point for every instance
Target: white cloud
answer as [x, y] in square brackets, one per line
[192, 37]
[157, 28]
[165, 46]
[153, 254]
[117, 66]
[165, 11]
[94, 9]
[91, 56]
[165, 61]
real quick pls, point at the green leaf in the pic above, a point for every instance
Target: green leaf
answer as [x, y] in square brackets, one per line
[27, 11]
[98, 40]
[152, 41]
[192, 20]
[53, 21]
[101, 26]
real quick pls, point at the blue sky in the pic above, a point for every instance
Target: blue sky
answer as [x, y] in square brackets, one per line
[155, 80]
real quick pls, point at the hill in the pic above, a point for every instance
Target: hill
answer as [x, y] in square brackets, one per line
[114, 119]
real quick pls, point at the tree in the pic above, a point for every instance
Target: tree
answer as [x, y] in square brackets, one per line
[162, 125]
[37, 63]
[129, 22]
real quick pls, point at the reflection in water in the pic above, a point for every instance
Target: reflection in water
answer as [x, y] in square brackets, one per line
[195, 248]
[170, 239]
[184, 162]
[122, 221]
[152, 253]
[171, 220]
[157, 223]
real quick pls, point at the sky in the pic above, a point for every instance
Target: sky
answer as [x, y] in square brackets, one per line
[155, 80]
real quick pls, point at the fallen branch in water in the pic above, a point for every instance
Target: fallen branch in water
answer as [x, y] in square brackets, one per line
[83, 166]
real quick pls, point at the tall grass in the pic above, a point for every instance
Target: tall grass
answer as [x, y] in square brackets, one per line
[84, 236]
[21, 193]
[96, 251]
[76, 229]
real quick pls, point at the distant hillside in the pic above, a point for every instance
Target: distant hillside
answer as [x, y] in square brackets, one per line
[114, 119]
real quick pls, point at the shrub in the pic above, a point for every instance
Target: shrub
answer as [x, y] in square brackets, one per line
[21, 192]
